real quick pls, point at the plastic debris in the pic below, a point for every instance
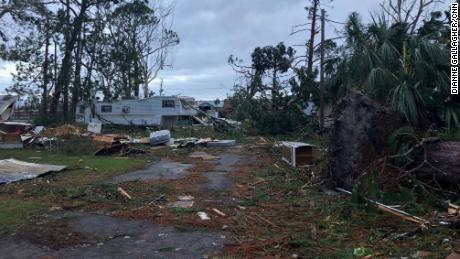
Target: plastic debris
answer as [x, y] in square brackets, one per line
[203, 215]
[159, 137]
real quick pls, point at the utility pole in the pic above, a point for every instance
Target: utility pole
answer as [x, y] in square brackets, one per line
[311, 42]
[321, 90]
[161, 87]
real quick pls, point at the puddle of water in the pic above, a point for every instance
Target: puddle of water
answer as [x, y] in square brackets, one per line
[227, 161]
[163, 169]
[218, 179]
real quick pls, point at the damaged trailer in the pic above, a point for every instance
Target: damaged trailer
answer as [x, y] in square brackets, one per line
[164, 111]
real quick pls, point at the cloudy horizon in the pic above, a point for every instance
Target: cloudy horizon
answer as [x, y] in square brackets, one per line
[212, 30]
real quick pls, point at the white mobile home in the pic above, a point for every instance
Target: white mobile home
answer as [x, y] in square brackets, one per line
[163, 111]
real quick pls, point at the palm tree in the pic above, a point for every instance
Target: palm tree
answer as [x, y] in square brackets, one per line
[408, 71]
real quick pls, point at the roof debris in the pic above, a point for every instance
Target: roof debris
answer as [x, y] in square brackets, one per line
[12, 170]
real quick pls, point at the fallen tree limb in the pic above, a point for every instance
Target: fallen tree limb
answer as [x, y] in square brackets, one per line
[218, 212]
[124, 193]
[402, 214]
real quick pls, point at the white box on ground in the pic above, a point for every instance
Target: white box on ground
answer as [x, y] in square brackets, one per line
[95, 127]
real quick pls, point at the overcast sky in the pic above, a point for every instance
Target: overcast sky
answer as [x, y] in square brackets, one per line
[211, 30]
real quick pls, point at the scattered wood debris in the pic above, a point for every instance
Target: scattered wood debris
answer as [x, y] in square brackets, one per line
[122, 149]
[124, 193]
[110, 138]
[402, 214]
[218, 212]
[453, 210]
[186, 201]
[203, 155]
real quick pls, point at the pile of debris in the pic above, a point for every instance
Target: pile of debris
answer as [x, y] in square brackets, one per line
[18, 135]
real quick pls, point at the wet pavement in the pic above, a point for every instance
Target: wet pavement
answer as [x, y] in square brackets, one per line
[163, 169]
[218, 179]
[120, 238]
[111, 237]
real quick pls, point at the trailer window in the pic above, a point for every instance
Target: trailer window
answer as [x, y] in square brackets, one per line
[106, 108]
[168, 103]
[81, 109]
[125, 109]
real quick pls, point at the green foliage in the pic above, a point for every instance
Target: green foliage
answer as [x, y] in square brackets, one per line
[259, 117]
[76, 145]
[402, 139]
[409, 71]
[48, 121]
[450, 135]
[265, 105]
[115, 47]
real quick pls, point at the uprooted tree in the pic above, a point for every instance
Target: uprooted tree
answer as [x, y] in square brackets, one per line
[390, 127]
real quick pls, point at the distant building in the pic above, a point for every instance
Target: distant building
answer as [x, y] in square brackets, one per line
[164, 111]
[213, 108]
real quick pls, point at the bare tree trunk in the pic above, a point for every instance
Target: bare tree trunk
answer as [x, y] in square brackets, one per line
[66, 66]
[274, 89]
[146, 81]
[77, 77]
[55, 63]
[136, 78]
[65, 104]
[46, 74]
[311, 43]
[129, 88]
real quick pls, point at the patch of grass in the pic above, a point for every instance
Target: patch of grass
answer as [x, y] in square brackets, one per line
[76, 145]
[15, 212]
[81, 183]
[247, 203]
[80, 170]
[161, 188]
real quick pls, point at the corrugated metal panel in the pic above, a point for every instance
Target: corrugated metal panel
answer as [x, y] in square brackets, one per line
[12, 170]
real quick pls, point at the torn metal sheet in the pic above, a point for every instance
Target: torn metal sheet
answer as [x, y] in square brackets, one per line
[38, 130]
[221, 143]
[12, 170]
